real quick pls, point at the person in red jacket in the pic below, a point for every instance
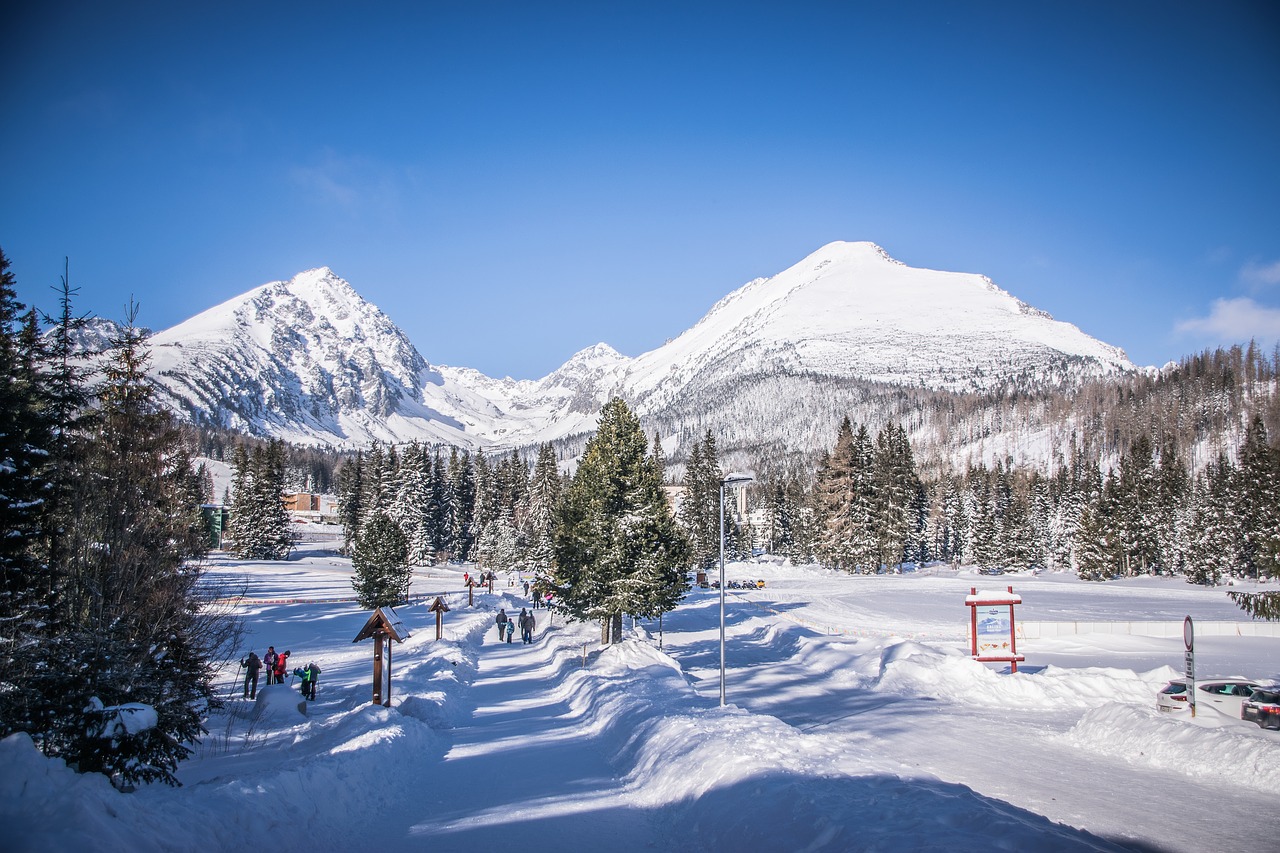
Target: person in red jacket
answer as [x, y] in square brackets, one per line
[282, 666]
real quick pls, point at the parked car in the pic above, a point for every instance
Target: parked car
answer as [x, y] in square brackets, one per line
[1263, 708]
[1224, 695]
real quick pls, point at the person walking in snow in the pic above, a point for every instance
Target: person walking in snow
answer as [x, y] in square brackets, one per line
[501, 619]
[269, 661]
[252, 665]
[511, 629]
[526, 589]
[529, 624]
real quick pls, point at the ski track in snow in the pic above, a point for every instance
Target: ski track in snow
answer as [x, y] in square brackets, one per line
[856, 722]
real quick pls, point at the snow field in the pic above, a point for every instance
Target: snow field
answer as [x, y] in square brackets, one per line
[890, 740]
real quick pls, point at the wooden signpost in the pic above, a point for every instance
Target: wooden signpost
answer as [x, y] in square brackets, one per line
[439, 608]
[383, 626]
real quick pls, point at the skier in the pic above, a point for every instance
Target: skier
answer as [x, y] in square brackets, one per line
[501, 619]
[251, 665]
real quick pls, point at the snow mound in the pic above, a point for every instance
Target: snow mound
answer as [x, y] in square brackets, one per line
[913, 669]
[1234, 754]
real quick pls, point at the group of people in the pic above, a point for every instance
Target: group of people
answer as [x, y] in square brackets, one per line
[507, 625]
[310, 675]
[482, 579]
[277, 666]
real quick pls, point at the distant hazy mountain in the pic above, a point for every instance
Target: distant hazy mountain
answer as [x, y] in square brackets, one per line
[771, 363]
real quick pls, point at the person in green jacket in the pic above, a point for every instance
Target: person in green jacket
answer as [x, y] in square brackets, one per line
[304, 673]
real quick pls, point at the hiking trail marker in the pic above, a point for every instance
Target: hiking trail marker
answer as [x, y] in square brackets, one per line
[439, 608]
[383, 626]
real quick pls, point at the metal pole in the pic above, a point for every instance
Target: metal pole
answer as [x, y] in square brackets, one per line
[721, 513]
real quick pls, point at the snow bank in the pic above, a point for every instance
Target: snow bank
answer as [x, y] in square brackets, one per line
[725, 779]
[1236, 753]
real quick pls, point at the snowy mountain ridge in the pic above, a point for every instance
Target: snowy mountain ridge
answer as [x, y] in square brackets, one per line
[311, 361]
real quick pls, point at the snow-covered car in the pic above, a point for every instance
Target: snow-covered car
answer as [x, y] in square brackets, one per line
[1263, 708]
[1224, 695]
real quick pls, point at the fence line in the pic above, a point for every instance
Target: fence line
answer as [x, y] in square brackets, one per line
[1043, 630]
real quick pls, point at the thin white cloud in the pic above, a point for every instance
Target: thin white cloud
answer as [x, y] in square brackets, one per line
[1235, 321]
[353, 183]
[1258, 276]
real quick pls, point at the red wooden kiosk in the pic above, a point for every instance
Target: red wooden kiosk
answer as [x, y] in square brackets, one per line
[993, 633]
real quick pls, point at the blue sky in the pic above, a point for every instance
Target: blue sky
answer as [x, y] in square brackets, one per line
[512, 182]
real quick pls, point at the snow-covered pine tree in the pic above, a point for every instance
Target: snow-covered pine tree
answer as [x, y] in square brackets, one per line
[700, 505]
[955, 520]
[1217, 538]
[1135, 507]
[134, 626]
[351, 498]
[1260, 501]
[497, 547]
[28, 586]
[540, 513]
[1099, 551]
[1017, 535]
[893, 484]
[617, 549]
[983, 546]
[486, 489]
[462, 505]
[260, 527]
[378, 483]
[438, 503]
[1172, 498]
[1260, 508]
[412, 499]
[845, 503]
[380, 563]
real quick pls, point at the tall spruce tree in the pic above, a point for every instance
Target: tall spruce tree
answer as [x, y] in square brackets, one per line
[462, 505]
[894, 484]
[1260, 511]
[134, 626]
[28, 584]
[380, 563]
[700, 506]
[540, 514]
[260, 526]
[351, 502]
[617, 548]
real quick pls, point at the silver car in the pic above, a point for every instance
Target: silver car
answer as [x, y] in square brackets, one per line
[1224, 695]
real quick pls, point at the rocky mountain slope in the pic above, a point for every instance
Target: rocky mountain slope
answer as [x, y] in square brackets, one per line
[309, 360]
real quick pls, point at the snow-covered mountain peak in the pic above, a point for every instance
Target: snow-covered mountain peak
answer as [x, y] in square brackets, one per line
[310, 359]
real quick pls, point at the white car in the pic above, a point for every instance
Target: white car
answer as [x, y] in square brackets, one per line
[1224, 695]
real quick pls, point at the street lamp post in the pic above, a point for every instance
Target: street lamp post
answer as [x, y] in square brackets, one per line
[730, 480]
